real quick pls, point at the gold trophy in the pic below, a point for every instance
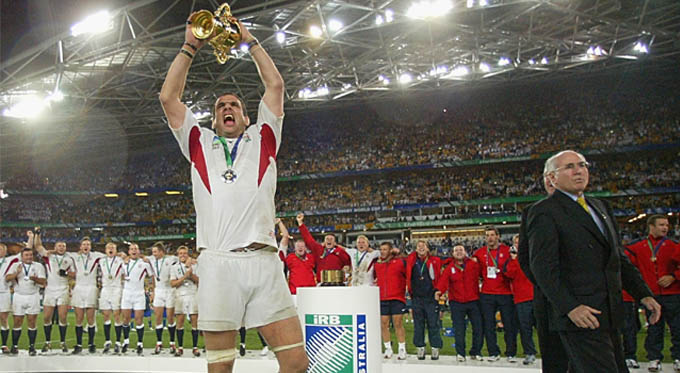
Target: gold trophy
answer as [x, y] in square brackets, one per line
[223, 33]
[332, 277]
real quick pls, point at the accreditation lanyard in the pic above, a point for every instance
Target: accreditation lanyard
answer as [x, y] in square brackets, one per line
[230, 155]
[128, 269]
[181, 268]
[301, 257]
[327, 252]
[656, 248]
[158, 270]
[461, 268]
[488, 255]
[422, 269]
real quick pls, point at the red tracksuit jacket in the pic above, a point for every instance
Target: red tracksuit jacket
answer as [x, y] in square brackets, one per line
[333, 260]
[391, 278]
[300, 271]
[500, 284]
[433, 266]
[666, 263]
[462, 283]
[522, 288]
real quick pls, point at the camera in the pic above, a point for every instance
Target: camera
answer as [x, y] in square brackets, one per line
[36, 231]
[513, 251]
[62, 273]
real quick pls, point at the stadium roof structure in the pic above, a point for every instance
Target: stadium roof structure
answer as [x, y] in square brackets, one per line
[364, 49]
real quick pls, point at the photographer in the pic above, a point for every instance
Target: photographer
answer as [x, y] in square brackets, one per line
[523, 296]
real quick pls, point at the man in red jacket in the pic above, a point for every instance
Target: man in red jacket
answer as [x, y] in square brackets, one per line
[422, 275]
[390, 275]
[657, 258]
[496, 295]
[523, 296]
[461, 279]
[300, 268]
[329, 256]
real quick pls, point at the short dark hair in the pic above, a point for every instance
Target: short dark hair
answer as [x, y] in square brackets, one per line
[159, 245]
[388, 244]
[652, 219]
[492, 228]
[86, 238]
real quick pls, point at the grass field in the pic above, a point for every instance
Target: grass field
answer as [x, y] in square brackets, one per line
[253, 342]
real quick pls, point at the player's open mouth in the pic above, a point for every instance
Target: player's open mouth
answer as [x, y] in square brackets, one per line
[229, 119]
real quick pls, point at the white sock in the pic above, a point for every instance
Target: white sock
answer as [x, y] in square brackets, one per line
[402, 345]
[388, 345]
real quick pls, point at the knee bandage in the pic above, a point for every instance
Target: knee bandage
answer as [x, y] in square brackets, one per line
[287, 347]
[220, 356]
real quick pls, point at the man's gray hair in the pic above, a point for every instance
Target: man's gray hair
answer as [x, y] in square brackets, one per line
[551, 163]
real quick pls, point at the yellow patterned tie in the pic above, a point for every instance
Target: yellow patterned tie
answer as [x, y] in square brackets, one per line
[582, 201]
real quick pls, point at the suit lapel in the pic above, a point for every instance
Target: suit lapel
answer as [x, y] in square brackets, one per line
[606, 222]
[580, 215]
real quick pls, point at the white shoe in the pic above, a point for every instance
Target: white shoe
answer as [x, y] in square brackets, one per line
[512, 359]
[477, 357]
[435, 354]
[421, 353]
[493, 358]
[388, 353]
[654, 366]
[530, 359]
[632, 363]
[264, 351]
[402, 354]
[676, 365]
[460, 358]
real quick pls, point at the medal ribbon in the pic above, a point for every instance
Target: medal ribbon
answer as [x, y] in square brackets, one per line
[58, 261]
[488, 255]
[3, 261]
[181, 268]
[86, 262]
[326, 252]
[656, 248]
[230, 155]
[127, 267]
[109, 265]
[461, 268]
[422, 268]
[359, 260]
[158, 270]
[26, 270]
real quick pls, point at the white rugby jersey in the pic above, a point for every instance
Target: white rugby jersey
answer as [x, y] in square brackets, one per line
[162, 269]
[188, 287]
[362, 271]
[53, 263]
[136, 270]
[112, 271]
[233, 215]
[24, 285]
[5, 265]
[86, 267]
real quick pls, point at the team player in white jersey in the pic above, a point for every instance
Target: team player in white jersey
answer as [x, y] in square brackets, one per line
[136, 272]
[60, 268]
[163, 295]
[184, 280]
[84, 295]
[111, 269]
[362, 256]
[28, 277]
[6, 262]
[234, 181]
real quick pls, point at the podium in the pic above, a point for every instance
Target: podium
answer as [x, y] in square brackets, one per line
[341, 328]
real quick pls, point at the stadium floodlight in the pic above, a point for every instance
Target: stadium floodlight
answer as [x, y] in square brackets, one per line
[532, 62]
[544, 61]
[94, 24]
[385, 80]
[201, 115]
[483, 2]
[405, 78]
[142, 194]
[428, 9]
[641, 47]
[389, 15]
[280, 37]
[334, 25]
[172, 192]
[484, 67]
[596, 51]
[56, 96]
[379, 20]
[470, 3]
[315, 31]
[322, 91]
[460, 71]
[504, 61]
[28, 107]
[111, 195]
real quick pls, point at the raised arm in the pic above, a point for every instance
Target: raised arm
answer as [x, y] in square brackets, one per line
[285, 236]
[171, 93]
[269, 74]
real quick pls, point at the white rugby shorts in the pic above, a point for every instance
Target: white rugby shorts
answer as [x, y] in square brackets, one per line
[5, 302]
[164, 298]
[242, 289]
[186, 305]
[56, 298]
[26, 304]
[109, 298]
[133, 301]
[84, 297]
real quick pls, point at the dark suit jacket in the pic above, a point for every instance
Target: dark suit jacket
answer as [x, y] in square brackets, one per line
[574, 263]
[541, 305]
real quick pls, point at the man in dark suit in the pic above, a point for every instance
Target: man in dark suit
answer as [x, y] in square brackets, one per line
[554, 358]
[577, 261]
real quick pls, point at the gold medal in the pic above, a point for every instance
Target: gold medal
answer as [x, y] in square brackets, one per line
[110, 277]
[653, 259]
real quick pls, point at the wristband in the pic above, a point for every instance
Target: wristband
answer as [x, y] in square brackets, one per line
[186, 53]
[252, 43]
[191, 46]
